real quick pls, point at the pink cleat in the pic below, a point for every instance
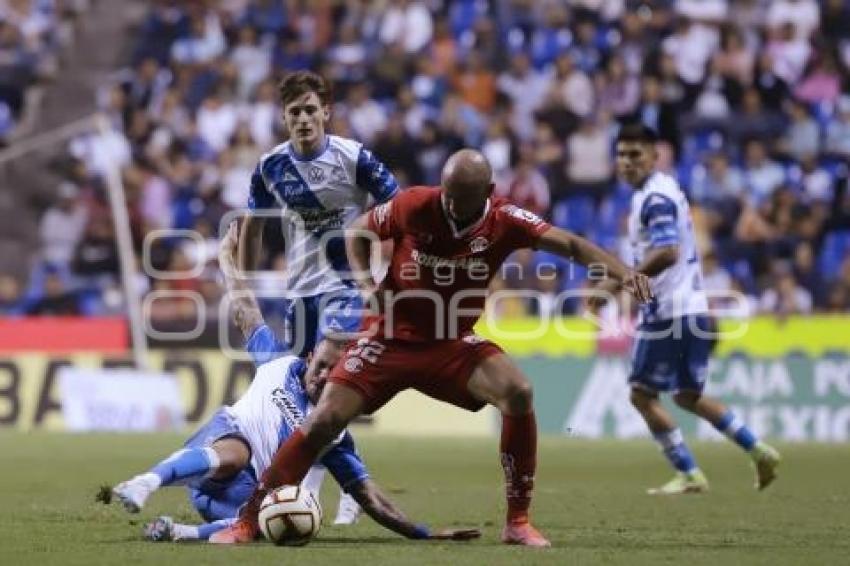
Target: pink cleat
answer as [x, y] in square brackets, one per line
[525, 534]
[241, 532]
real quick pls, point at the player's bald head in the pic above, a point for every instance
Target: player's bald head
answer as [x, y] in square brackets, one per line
[467, 169]
[467, 182]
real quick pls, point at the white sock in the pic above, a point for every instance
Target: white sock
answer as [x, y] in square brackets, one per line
[314, 478]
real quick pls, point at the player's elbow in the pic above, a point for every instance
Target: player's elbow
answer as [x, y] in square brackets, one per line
[667, 256]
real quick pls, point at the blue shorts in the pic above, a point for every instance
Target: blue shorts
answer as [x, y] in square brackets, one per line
[308, 320]
[220, 499]
[672, 355]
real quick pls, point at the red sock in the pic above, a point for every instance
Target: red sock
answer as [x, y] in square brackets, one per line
[518, 449]
[289, 465]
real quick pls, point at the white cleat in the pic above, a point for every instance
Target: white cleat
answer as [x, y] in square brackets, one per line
[765, 459]
[134, 492]
[348, 512]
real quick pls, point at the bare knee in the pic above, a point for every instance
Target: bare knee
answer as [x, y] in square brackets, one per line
[687, 400]
[233, 456]
[518, 398]
[641, 400]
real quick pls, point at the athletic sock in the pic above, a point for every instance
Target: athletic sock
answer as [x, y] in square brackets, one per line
[518, 451]
[186, 465]
[735, 429]
[677, 452]
[205, 531]
[313, 480]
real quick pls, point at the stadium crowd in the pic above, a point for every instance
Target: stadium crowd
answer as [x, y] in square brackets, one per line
[751, 99]
[32, 36]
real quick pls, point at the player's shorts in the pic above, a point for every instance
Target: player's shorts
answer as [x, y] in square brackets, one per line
[672, 355]
[216, 499]
[378, 369]
[309, 320]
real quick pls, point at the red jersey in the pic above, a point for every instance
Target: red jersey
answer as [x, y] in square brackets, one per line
[438, 275]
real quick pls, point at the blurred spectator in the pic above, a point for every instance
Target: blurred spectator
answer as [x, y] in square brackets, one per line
[802, 137]
[365, 115]
[11, 300]
[838, 131]
[786, 297]
[62, 227]
[804, 15]
[56, 299]
[476, 83]
[408, 22]
[589, 162]
[762, 175]
[525, 186]
[392, 146]
[576, 87]
[527, 89]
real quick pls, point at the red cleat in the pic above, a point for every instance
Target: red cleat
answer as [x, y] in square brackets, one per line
[524, 534]
[240, 532]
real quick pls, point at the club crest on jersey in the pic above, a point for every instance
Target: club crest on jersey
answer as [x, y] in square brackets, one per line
[479, 244]
[353, 365]
[316, 174]
[338, 174]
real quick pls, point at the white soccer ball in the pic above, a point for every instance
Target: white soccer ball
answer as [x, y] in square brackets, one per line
[290, 515]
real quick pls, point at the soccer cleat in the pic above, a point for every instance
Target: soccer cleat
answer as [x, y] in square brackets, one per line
[348, 511]
[134, 492]
[765, 460]
[241, 532]
[523, 533]
[682, 482]
[161, 530]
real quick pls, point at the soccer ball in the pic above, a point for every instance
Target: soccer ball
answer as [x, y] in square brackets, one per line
[290, 515]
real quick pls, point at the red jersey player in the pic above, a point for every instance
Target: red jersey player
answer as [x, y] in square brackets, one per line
[449, 242]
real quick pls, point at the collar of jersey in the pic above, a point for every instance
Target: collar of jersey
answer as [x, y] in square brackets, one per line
[460, 233]
[310, 157]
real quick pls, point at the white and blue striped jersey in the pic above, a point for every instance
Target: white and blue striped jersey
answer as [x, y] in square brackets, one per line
[660, 216]
[276, 404]
[319, 196]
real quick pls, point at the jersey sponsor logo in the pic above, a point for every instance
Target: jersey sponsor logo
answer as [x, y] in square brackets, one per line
[321, 220]
[474, 339]
[316, 174]
[429, 260]
[382, 212]
[285, 401]
[479, 244]
[522, 214]
[353, 365]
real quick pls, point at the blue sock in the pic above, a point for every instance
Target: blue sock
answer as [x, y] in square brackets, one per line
[735, 429]
[186, 465]
[206, 530]
[677, 452]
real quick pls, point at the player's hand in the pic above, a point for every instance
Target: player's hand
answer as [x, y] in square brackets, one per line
[456, 534]
[638, 285]
[601, 294]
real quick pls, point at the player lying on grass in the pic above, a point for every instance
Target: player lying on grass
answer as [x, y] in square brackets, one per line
[449, 242]
[674, 333]
[221, 462]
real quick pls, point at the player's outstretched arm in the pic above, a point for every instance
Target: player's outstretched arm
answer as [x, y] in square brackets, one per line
[659, 259]
[250, 243]
[587, 253]
[378, 506]
[246, 311]
[358, 247]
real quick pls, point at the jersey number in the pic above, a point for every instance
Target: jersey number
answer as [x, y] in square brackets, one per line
[368, 350]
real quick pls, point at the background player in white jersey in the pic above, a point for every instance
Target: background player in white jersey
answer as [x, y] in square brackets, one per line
[317, 184]
[220, 463]
[675, 336]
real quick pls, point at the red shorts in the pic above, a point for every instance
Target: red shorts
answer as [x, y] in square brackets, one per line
[379, 368]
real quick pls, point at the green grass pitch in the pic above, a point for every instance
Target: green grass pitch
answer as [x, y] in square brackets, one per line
[589, 500]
